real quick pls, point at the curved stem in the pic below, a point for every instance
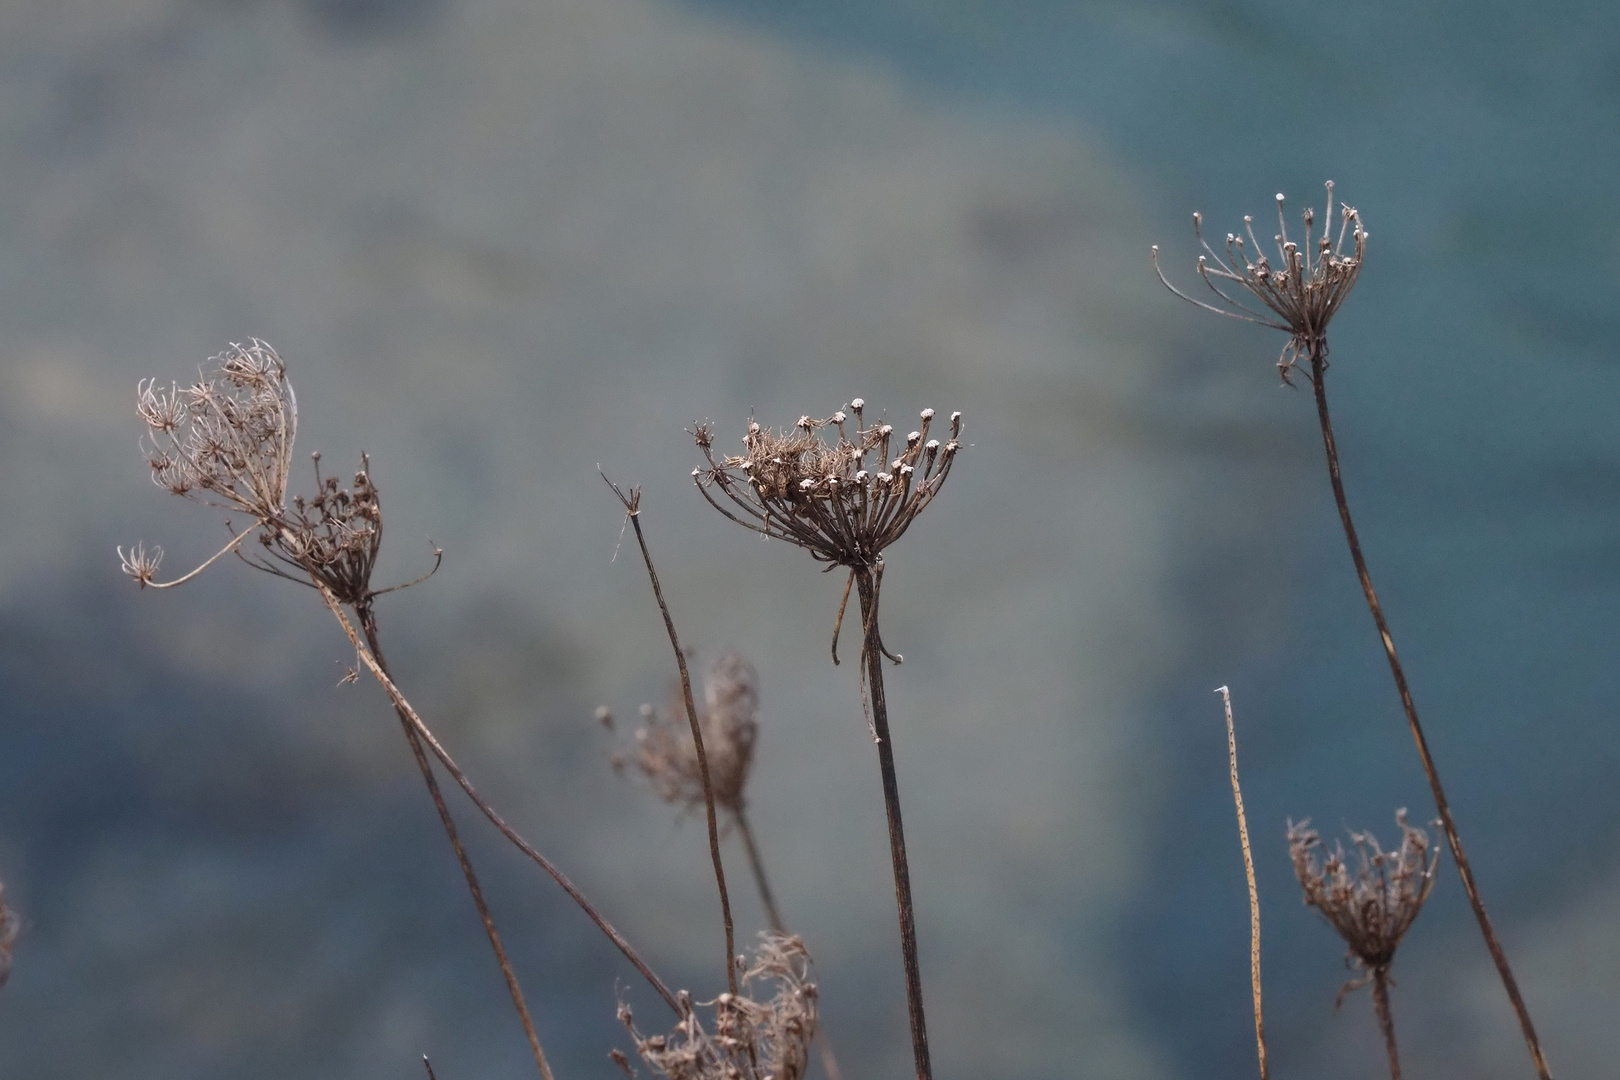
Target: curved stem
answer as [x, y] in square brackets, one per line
[431, 741]
[1318, 356]
[368, 625]
[697, 741]
[1386, 1021]
[872, 656]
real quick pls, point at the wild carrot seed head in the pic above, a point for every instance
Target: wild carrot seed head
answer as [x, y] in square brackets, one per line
[1374, 905]
[1302, 291]
[844, 497]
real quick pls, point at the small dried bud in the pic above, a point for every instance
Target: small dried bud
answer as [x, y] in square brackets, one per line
[141, 565]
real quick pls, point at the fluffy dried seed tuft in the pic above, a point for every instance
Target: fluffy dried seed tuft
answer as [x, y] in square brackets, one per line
[746, 1038]
[728, 718]
[9, 926]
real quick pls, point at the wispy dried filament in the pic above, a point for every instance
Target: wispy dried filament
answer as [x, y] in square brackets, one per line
[842, 499]
[1301, 292]
[745, 1038]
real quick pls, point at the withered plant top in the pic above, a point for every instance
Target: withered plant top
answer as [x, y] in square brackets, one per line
[748, 1038]
[1373, 906]
[227, 441]
[8, 936]
[1302, 292]
[728, 718]
[842, 499]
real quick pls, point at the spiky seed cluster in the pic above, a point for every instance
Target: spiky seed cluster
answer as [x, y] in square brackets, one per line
[1303, 291]
[845, 499]
[746, 1039]
[8, 936]
[1374, 905]
[334, 535]
[728, 718]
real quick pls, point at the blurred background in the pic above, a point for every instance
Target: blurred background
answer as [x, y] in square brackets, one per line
[502, 241]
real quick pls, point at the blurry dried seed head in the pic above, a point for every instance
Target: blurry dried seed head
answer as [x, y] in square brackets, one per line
[843, 499]
[1374, 905]
[1302, 292]
[746, 1039]
[9, 924]
[728, 718]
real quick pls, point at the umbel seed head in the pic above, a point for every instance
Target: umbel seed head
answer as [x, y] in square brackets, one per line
[1373, 905]
[728, 718]
[844, 497]
[1302, 291]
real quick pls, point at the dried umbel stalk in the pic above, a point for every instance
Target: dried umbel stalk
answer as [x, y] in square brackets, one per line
[1371, 905]
[845, 499]
[9, 925]
[667, 756]
[746, 1037]
[1302, 291]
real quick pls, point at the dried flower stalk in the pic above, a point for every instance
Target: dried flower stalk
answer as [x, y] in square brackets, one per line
[747, 1038]
[1372, 907]
[632, 510]
[1302, 294]
[819, 494]
[1254, 892]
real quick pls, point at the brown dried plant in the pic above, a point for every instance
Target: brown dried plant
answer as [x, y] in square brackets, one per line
[1371, 906]
[728, 717]
[10, 925]
[227, 441]
[818, 493]
[747, 1037]
[1303, 294]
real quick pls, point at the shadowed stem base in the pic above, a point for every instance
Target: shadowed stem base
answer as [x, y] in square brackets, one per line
[872, 656]
[1318, 355]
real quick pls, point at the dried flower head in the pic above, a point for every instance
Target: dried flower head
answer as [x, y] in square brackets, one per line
[844, 500]
[1302, 292]
[1373, 906]
[227, 441]
[9, 924]
[747, 1039]
[728, 718]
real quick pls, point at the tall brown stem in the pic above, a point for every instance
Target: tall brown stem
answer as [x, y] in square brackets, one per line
[431, 741]
[1386, 1020]
[872, 654]
[1254, 891]
[1318, 355]
[368, 625]
[632, 508]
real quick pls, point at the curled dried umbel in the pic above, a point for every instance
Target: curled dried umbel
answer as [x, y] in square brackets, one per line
[1372, 905]
[1302, 291]
[746, 1037]
[9, 924]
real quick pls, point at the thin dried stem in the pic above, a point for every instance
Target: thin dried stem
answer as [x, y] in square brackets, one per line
[772, 915]
[872, 652]
[368, 624]
[363, 652]
[1254, 892]
[632, 509]
[1386, 1020]
[1318, 359]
